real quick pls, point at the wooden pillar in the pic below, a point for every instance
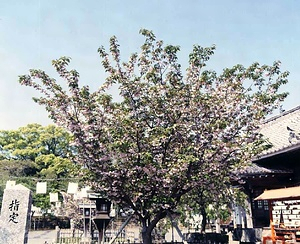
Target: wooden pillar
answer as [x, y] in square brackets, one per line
[273, 234]
[249, 220]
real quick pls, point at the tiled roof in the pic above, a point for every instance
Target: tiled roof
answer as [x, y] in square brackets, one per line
[282, 131]
[254, 169]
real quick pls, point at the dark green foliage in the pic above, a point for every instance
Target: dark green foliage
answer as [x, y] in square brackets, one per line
[33, 154]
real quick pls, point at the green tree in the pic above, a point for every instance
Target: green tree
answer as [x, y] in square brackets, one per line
[33, 140]
[10, 169]
[210, 203]
[34, 153]
[172, 132]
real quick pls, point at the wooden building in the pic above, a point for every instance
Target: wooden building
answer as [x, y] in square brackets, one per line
[277, 167]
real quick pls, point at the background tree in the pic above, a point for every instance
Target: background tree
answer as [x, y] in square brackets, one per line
[10, 169]
[33, 140]
[210, 204]
[35, 153]
[171, 133]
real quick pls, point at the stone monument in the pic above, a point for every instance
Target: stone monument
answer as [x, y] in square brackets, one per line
[15, 215]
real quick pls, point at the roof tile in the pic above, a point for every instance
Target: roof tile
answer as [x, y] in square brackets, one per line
[282, 131]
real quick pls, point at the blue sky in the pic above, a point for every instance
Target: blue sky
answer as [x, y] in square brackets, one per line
[34, 32]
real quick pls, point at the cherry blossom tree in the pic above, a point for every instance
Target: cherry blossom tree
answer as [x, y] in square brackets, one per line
[173, 131]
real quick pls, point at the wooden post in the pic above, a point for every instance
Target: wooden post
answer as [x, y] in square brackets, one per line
[273, 234]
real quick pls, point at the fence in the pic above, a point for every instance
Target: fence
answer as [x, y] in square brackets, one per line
[78, 237]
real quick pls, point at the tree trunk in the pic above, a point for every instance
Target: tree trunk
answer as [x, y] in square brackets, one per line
[148, 226]
[146, 235]
[204, 218]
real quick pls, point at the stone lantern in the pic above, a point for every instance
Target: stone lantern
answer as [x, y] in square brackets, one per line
[102, 215]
